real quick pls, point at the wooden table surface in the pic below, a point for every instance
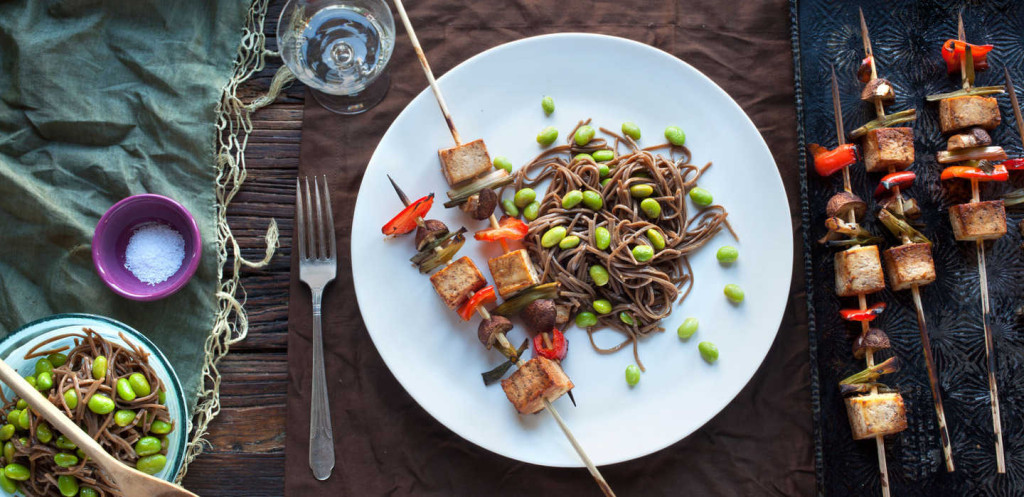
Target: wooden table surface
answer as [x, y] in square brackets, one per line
[247, 438]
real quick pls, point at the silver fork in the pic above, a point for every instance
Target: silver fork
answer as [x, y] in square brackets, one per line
[318, 265]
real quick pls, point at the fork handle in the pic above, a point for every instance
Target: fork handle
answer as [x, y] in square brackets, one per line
[321, 436]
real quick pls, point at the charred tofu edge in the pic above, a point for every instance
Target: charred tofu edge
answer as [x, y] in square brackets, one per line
[538, 379]
[858, 270]
[876, 414]
[958, 113]
[910, 264]
[513, 272]
[464, 162]
[886, 147]
[455, 282]
[978, 220]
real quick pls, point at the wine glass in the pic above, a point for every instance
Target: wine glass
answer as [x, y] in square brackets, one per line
[340, 49]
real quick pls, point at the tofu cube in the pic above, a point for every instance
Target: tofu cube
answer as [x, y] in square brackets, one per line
[464, 162]
[885, 147]
[876, 414]
[978, 220]
[858, 270]
[963, 112]
[456, 282]
[538, 379]
[910, 264]
[513, 272]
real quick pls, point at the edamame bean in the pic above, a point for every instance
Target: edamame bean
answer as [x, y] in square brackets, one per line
[10, 486]
[632, 375]
[161, 427]
[31, 380]
[67, 485]
[17, 472]
[602, 238]
[599, 275]
[701, 197]
[656, 238]
[651, 208]
[708, 351]
[604, 182]
[509, 206]
[44, 433]
[548, 104]
[12, 417]
[9, 451]
[727, 254]
[675, 135]
[524, 197]
[21, 404]
[43, 365]
[25, 419]
[586, 319]
[571, 199]
[99, 368]
[164, 443]
[65, 443]
[626, 318]
[734, 293]
[530, 212]
[687, 329]
[552, 236]
[101, 404]
[603, 155]
[583, 136]
[71, 398]
[124, 390]
[81, 454]
[44, 381]
[643, 253]
[147, 446]
[65, 460]
[641, 190]
[7, 432]
[592, 200]
[630, 129]
[582, 156]
[124, 417]
[502, 162]
[603, 170]
[161, 397]
[602, 306]
[88, 492]
[547, 136]
[140, 384]
[571, 241]
[58, 359]
[151, 465]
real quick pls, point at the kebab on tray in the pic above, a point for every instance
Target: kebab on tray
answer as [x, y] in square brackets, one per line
[967, 115]
[890, 150]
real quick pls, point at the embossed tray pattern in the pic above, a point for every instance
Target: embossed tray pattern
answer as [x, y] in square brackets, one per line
[906, 36]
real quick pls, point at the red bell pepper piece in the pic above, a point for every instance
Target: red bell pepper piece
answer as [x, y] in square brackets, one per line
[482, 296]
[827, 162]
[868, 314]
[902, 179]
[509, 228]
[864, 71]
[559, 345]
[405, 221]
[999, 173]
[1014, 164]
[954, 50]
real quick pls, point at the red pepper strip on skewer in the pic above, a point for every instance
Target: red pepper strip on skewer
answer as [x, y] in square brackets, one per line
[558, 348]
[405, 221]
[998, 173]
[483, 296]
[864, 71]
[1013, 164]
[509, 228]
[953, 55]
[827, 162]
[902, 179]
[867, 315]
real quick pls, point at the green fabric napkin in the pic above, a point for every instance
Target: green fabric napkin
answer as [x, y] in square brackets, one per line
[100, 100]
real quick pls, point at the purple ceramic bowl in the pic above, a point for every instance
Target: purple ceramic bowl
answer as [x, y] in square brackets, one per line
[117, 226]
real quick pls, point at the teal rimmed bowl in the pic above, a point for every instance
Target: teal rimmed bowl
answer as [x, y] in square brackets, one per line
[14, 346]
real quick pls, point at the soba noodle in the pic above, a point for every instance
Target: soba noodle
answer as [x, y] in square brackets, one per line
[645, 291]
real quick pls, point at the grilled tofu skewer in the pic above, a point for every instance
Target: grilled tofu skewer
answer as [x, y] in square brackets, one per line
[911, 264]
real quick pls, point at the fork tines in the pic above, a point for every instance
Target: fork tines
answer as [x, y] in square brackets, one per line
[314, 229]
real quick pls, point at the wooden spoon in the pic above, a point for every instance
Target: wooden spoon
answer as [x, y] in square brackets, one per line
[130, 480]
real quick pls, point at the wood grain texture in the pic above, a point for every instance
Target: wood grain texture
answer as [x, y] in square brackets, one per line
[246, 456]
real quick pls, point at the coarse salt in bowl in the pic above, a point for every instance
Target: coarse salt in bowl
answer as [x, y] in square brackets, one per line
[115, 230]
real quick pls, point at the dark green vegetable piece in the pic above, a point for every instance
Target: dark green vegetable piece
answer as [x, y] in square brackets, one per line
[899, 228]
[492, 376]
[492, 180]
[869, 375]
[428, 259]
[895, 118]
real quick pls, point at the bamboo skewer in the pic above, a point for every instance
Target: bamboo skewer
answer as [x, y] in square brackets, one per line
[933, 378]
[502, 339]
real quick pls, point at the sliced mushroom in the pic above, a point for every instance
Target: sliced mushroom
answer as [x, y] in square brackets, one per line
[910, 208]
[873, 340]
[486, 202]
[842, 203]
[431, 230]
[562, 313]
[488, 330]
[469, 206]
[973, 137]
[540, 316]
[878, 89]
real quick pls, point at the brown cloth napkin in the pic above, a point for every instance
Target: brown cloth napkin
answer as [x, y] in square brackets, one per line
[385, 444]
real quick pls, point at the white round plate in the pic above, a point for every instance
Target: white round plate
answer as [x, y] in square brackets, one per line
[496, 96]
